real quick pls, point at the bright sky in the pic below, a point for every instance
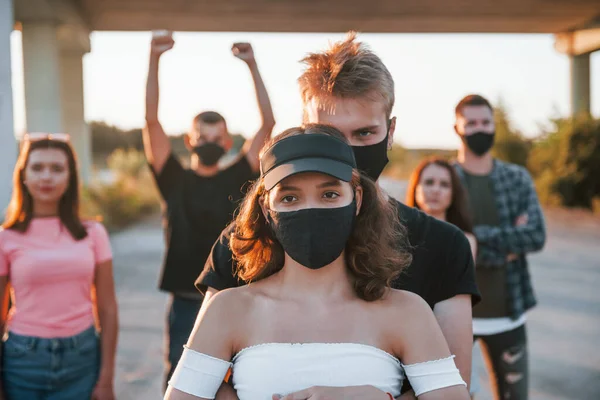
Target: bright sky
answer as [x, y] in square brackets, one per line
[432, 72]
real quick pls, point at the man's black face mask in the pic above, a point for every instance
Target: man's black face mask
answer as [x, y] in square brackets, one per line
[373, 158]
[479, 142]
[209, 153]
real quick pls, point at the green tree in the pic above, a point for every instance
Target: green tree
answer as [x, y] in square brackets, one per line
[541, 163]
[510, 144]
[566, 162]
[578, 182]
[107, 138]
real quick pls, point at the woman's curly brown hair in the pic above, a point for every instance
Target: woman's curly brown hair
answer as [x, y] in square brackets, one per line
[376, 253]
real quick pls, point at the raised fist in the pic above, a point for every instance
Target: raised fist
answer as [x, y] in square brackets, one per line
[243, 51]
[161, 41]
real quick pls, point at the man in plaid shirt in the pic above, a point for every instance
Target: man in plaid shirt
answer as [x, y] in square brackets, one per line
[508, 224]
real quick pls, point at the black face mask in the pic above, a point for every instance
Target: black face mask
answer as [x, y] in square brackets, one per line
[314, 237]
[479, 142]
[209, 153]
[372, 159]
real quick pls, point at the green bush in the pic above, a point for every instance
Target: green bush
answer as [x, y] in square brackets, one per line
[510, 144]
[565, 163]
[127, 163]
[107, 138]
[131, 196]
[404, 161]
[397, 167]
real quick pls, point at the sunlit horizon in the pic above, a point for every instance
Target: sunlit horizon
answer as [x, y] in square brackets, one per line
[431, 71]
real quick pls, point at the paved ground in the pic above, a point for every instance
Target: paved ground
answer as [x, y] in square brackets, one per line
[138, 253]
[564, 330]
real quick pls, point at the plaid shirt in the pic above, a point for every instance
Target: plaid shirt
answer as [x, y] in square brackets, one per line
[515, 195]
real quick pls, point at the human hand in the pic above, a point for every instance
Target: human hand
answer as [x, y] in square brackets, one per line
[522, 220]
[243, 51]
[410, 395]
[226, 392]
[336, 393]
[162, 41]
[103, 391]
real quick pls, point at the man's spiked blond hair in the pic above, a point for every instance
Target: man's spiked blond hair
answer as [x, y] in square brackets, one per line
[347, 69]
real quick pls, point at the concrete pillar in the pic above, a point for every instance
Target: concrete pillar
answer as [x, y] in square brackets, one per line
[73, 116]
[580, 84]
[53, 73]
[41, 65]
[8, 146]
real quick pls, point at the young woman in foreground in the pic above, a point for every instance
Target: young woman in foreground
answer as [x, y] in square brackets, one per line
[318, 241]
[53, 261]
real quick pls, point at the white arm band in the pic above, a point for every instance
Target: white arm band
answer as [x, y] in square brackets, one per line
[432, 375]
[198, 374]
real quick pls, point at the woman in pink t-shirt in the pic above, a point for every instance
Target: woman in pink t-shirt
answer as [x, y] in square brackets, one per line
[59, 270]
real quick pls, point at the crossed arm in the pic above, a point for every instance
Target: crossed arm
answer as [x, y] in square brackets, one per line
[496, 242]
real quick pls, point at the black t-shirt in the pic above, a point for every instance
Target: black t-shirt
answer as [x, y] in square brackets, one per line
[442, 265]
[197, 209]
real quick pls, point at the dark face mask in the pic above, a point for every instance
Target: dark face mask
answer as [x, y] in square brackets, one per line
[314, 237]
[372, 159]
[479, 142]
[209, 153]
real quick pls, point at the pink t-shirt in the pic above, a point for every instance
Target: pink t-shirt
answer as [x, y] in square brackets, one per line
[52, 276]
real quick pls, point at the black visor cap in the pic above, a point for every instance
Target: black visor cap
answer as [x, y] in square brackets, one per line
[307, 153]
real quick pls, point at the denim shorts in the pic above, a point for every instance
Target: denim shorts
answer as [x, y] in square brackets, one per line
[36, 368]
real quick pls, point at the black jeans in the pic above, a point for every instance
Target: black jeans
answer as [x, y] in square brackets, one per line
[505, 355]
[180, 322]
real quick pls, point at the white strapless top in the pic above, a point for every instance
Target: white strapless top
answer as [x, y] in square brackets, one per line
[263, 370]
[281, 368]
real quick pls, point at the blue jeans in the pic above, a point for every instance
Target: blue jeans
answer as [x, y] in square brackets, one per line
[180, 322]
[51, 369]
